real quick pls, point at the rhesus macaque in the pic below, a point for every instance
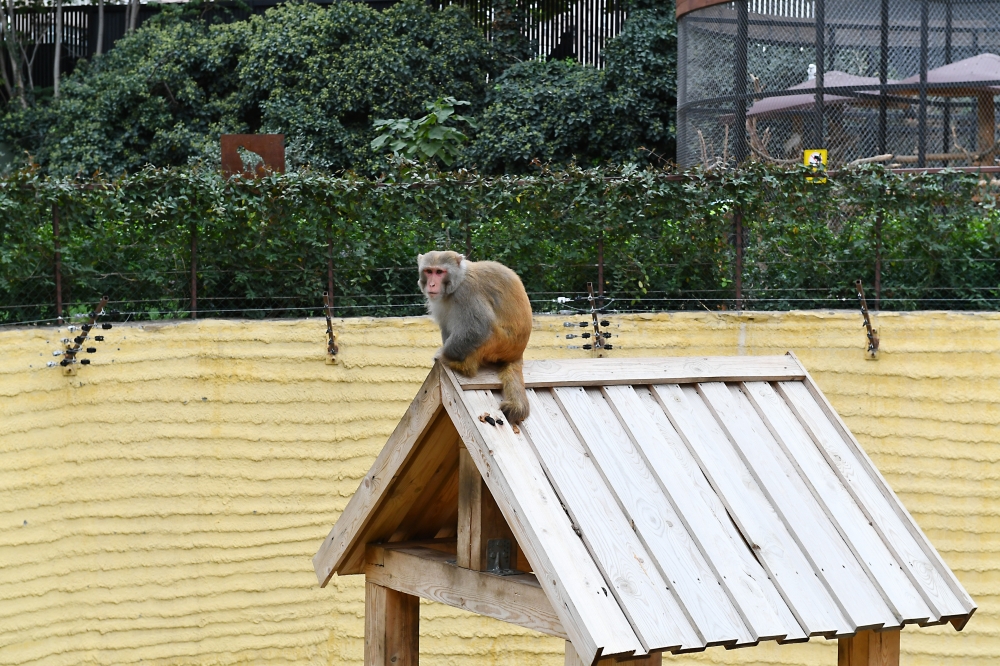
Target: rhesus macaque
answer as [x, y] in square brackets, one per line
[485, 317]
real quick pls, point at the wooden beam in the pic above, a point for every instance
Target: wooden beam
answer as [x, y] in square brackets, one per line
[617, 371]
[869, 648]
[479, 518]
[375, 487]
[573, 659]
[392, 624]
[985, 112]
[431, 574]
[688, 6]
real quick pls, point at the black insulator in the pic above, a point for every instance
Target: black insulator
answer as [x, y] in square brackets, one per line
[106, 327]
[79, 339]
[607, 346]
[86, 327]
[605, 322]
[584, 324]
[64, 363]
[585, 335]
[491, 421]
[99, 338]
[85, 361]
[588, 347]
[91, 350]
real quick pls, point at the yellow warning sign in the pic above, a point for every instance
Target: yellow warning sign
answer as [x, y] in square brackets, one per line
[816, 159]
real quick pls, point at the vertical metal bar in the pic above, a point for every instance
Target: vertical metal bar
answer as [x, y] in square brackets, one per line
[883, 75]
[922, 109]
[194, 270]
[738, 273]
[819, 132]
[58, 261]
[741, 150]
[600, 266]
[329, 260]
[878, 260]
[946, 119]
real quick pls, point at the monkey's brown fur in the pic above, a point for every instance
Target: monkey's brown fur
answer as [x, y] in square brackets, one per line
[485, 317]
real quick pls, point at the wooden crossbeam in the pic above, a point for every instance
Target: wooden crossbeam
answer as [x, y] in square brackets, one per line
[573, 659]
[432, 574]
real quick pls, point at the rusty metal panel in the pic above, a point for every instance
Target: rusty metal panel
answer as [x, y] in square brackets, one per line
[269, 148]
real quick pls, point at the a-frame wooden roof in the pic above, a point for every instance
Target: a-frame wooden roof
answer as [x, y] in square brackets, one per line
[664, 504]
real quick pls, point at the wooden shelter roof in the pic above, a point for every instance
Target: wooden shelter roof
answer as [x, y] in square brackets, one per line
[663, 504]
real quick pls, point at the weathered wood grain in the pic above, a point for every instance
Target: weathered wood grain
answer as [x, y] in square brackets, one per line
[830, 557]
[871, 552]
[965, 602]
[647, 599]
[431, 574]
[682, 483]
[792, 574]
[392, 627]
[859, 476]
[574, 586]
[653, 518]
[869, 648]
[618, 371]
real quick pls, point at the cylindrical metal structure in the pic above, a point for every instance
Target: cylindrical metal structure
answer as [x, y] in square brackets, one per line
[767, 79]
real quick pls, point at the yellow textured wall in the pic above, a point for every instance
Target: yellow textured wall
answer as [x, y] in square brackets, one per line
[163, 505]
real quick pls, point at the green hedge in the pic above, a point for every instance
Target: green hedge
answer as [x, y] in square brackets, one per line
[263, 246]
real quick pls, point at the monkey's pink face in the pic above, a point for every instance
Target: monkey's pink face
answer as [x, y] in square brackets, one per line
[435, 277]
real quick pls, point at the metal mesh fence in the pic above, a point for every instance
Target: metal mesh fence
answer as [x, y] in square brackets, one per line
[909, 83]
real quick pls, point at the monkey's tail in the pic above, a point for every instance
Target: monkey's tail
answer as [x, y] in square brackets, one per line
[515, 398]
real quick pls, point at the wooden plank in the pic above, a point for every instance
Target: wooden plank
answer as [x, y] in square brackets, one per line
[701, 512]
[660, 529]
[431, 574]
[814, 609]
[479, 518]
[869, 648]
[817, 537]
[850, 520]
[872, 493]
[392, 627]
[642, 592]
[437, 506]
[921, 539]
[437, 449]
[619, 371]
[375, 486]
[688, 6]
[573, 659]
[574, 586]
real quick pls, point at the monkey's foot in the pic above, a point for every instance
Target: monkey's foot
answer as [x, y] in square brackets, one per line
[515, 413]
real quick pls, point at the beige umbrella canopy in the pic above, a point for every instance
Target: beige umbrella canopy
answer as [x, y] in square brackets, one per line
[959, 79]
[805, 101]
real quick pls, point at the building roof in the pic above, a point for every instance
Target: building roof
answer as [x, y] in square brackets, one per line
[666, 504]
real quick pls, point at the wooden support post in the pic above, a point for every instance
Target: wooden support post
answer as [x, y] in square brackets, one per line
[869, 648]
[479, 518]
[392, 623]
[573, 659]
[985, 112]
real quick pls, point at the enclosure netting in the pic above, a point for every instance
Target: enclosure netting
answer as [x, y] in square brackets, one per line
[904, 82]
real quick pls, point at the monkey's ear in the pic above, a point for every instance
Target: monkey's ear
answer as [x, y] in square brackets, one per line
[420, 258]
[461, 258]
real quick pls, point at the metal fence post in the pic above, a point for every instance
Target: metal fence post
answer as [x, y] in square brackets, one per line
[329, 260]
[58, 261]
[738, 277]
[194, 271]
[878, 260]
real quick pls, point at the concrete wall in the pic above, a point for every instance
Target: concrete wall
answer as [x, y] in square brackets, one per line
[163, 505]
